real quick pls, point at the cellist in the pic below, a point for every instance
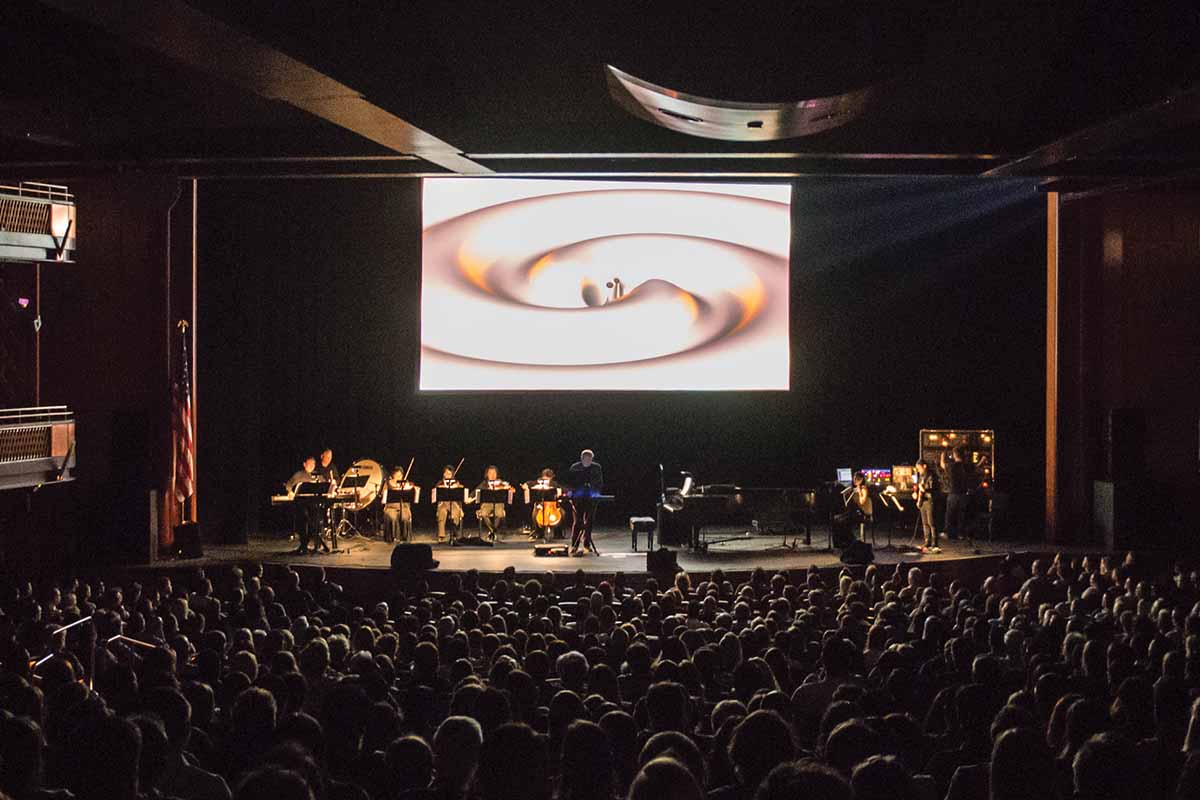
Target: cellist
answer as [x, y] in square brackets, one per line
[545, 514]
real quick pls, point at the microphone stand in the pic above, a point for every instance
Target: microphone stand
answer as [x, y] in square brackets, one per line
[662, 500]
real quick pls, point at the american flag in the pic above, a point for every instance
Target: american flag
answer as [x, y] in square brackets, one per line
[185, 443]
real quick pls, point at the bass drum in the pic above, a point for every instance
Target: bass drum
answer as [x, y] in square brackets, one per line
[365, 494]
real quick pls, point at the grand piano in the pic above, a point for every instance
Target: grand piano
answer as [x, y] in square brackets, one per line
[689, 512]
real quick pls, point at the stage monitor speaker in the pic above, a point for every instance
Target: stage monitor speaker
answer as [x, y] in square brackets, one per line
[188, 541]
[858, 553]
[550, 550]
[409, 558]
[1115, 515]
[662, 562]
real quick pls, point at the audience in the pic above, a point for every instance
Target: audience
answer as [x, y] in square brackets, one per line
[1062, 679]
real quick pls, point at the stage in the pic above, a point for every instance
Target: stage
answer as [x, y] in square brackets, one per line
[737, 552]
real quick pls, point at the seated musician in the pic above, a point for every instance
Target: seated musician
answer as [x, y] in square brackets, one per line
[545, 480]
[308, 518]
[397, 514]
[452, 508]
[491, 515]
[326, 469]
[859, 506]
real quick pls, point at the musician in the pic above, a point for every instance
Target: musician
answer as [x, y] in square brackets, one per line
[327, 469]
[859, 506]
[545, 480]
[397, 514]
[309, 518]
[449, 508]
[586, 479]
[959, 481]
[924, 487]
[491, 515]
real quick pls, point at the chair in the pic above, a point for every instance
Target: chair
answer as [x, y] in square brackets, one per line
[868, 521]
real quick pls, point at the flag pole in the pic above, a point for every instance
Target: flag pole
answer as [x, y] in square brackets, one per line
[182, 326]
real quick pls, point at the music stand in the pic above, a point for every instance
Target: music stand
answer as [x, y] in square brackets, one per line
[491, 496]
[399, 496]
[451, 490]
[315, 494]
[352, 481]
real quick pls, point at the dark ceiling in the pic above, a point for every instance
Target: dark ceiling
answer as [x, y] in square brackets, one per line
[964, 87]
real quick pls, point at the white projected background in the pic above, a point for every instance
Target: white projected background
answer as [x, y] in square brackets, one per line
[571, 285]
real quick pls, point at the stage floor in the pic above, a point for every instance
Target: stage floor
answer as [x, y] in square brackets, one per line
[738, 551]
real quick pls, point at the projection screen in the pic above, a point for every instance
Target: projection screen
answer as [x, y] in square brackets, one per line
[594, 285]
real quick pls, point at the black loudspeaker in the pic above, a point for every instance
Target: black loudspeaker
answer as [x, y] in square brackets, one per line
[412, 558]
[188, 541]
[662, 561]
[550, 550]
[858, 553]
[1115, 514]
[1125, 444]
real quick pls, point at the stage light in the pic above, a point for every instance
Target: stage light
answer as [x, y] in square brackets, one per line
[23, 302]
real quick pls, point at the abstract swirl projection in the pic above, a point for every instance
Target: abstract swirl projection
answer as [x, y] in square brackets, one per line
[573, 285]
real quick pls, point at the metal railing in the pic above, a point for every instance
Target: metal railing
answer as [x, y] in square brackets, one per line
[36, 190]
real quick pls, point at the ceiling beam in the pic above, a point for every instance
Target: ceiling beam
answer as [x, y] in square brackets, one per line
[1174, 111]
[180, 32]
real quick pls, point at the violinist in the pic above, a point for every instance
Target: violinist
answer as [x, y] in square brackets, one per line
[397, 512]
[449, 505]
[859, 508]
[491, 515]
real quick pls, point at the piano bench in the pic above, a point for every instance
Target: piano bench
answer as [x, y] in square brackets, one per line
[644, 525]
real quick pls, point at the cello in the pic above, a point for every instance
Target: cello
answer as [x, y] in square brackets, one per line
[547, 513]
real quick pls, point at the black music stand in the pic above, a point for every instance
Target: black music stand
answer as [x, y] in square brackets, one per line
[400, 496]
[548, 494]
[582, 492]
[433, 498]
[353, 480]
[491, 496]
[315, 494]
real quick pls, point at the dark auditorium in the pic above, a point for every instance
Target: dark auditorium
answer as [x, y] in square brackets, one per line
[599, 401]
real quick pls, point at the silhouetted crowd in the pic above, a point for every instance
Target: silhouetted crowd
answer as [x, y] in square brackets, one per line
[1070, 678]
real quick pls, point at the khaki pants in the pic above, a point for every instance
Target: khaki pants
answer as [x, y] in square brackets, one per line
[397, 522]
[925, 515]
[453, 509]
[492, 516]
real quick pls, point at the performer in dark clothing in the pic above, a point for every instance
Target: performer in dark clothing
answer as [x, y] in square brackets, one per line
[327, 469]
[924, 488]
[308, 518]
[959, 481]
[586, 479]
[859, 507]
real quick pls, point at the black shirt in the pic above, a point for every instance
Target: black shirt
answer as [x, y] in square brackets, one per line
[298, 477]
[590, 476]
[959, 477]
[329, 473]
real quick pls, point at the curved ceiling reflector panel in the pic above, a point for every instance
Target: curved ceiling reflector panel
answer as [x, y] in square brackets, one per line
[729, 119]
